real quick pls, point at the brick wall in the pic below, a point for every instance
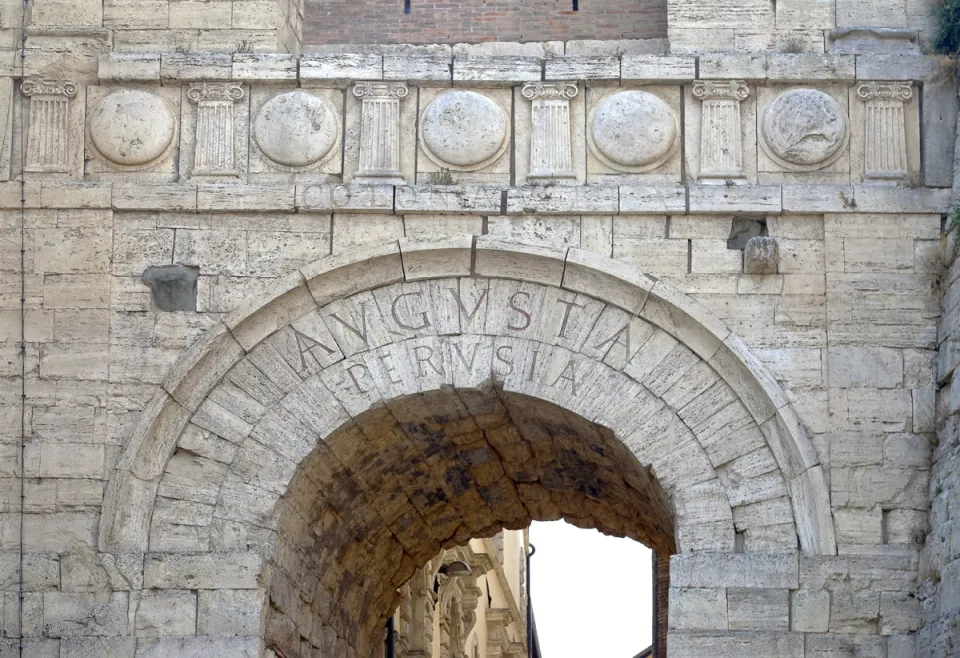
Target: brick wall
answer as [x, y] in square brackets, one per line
[457, 21]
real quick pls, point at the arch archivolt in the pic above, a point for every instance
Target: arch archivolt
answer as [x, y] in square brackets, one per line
[355, 346]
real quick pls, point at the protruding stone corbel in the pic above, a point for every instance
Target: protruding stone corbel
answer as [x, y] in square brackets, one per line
[214, 149]
[48, 137]
[761, 255]
[885, 129]
[551, 150]
[379, 130]
[721, 138]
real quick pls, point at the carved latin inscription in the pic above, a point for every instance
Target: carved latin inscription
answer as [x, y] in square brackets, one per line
[517, 325]
[721, 140]
[48, 137]
[885, 143]
[551, 152]
[380, 129]
[214, 149]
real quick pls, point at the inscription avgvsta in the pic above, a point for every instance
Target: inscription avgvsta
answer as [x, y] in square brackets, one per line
[468, 329]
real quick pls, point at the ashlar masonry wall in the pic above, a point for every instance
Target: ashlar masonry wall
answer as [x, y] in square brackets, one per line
[245, 416]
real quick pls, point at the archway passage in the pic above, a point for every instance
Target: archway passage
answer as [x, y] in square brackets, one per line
[389, 489]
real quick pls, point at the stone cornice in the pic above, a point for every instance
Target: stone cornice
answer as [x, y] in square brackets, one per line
[418, 66]
[479, 199]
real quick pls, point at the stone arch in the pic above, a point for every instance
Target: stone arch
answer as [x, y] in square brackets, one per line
[398, 335]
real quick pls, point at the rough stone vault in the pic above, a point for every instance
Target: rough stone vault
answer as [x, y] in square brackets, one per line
[296, 314]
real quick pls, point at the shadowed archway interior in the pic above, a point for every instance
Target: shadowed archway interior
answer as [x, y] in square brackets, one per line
[385, 492]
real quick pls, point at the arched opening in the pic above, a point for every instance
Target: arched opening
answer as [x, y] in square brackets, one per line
[392, 487]
[407, 354]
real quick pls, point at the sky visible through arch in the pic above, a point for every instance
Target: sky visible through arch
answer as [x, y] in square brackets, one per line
[592, 594]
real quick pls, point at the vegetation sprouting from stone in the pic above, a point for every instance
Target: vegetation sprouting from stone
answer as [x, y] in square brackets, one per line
[947, 41]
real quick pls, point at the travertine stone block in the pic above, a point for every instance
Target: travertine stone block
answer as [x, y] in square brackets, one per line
[652, 199]
[819, 198]
[166, 612]
[102, 613]
[563, 200]
[757, 570]
[229, 612]
[698, 609]
[809, 67]
[810, 610]
[866, 366]
[97, 647]
[193, 14]
[488, 69]
[448, 199]
[414, 66]
[595, 68]
[345, 66]
[345, 198]
[154, 197]
[245, 197]
[129, 67]
[75, 195]
[183, 67]
[264, 67]
[858, 13]
[727, 199]
[744, 644]
[86, 13]
[722, 66]
[758, 609]
[199, 647]
[137, 15]
[655, 68]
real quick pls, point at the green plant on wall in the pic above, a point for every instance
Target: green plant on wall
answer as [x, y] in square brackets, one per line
[947, 41]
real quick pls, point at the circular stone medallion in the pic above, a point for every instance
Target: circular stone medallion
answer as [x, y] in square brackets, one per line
[132, 128]
[804, 130]
[296, 129]
[463, 130]
[633, 131]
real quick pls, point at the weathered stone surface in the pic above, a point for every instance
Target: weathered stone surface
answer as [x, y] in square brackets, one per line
[761, 255]
[786, 428]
